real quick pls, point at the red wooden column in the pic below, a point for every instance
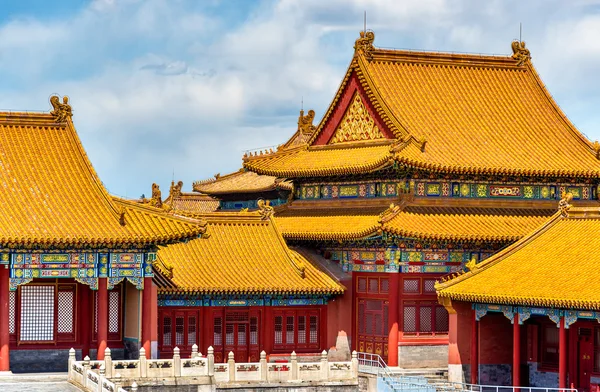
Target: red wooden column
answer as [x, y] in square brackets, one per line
[268, 332]
[516, 351]
[474, 349]
[392, 359]
[102, 317]
[562, 354]
[4, 314]
[147, 317]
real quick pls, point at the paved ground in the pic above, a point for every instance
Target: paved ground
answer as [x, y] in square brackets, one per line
[42, 382]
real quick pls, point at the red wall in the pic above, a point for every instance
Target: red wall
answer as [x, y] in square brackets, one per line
[339, 315]
[459, 336]
[495, 339]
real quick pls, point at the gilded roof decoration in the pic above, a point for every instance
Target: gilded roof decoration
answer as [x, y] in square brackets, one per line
[554, 266]
[244, 255]
[42, 209]
[175, 190]
[356, 125]
[564, 203]
[520, 52]
[436, 104]
[264, 209]
[364, 44]
[305, 123]
[60, 111]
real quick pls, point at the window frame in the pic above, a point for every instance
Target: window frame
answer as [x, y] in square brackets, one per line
[296, 313]
[57, 337]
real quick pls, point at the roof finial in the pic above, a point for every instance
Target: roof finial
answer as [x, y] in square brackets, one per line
[365, 24]
[520, 32]
[62, 111]
[364, 44]
[302, 104]
[305, 123]
[520, 52]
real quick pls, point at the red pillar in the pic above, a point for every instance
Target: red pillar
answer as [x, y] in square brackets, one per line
[516, 352]
[474, 349]
[392, 358]
[562, 355]
[268, 330]
[147, 317]
[102, 317]
[86, 329]
[4, 335]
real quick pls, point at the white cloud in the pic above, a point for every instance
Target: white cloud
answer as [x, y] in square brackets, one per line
[159, 85]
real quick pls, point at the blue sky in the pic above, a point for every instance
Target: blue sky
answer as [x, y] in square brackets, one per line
[163, 86]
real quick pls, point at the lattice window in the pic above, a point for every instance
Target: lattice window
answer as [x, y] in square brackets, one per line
[362, 285]
[410, 319]
[361, 317]
[12, 299]
[179, 330]
[441, 319]
[253, 330]
[289, 330]
[385, 318]
[241, 334]
[549, 345]
[218, 331]
[114, 302]
[425, 319]
[167, 332]
[374, 285]
[65, 311]
[411, 285]
[384, 285]
[278, 330]
[191, 340]
[314, 329]
[429, 285]
[229, 338]
[301, 329]
[369, 324]
[37, 313]
[378, 324]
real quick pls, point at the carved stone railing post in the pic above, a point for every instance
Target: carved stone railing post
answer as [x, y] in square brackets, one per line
[107, 363]
[231, 363]
[194, 351]
[176, 362]
[143, 364]
[294, 365]
[210, 358]
[324, 366]
[86, 369]
[134, 387]
[117, 381]
[263, 366]
[354, 364]
[72, 359]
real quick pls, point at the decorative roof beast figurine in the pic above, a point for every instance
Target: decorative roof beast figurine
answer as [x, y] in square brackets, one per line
[520, 52]
[62, 111]
[264, 209]
[564, 203]
[365, 44]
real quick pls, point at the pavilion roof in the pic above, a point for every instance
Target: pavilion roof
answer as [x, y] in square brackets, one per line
[192, 202]
[52, 197]
[241, 253]
[309, 221]
[554, 266]
[241, 181]
[446, 112]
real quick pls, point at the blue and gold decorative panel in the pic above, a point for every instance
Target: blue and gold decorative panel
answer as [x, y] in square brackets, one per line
[126, 266]
[79, 266]
[249, 204]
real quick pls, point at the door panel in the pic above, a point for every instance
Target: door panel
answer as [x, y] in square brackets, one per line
[372, 333]
[585, 358]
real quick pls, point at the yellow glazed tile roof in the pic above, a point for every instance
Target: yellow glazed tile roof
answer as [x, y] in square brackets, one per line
[51, 196]
[479, 114]
[334, 224]
[347, 158]
[464, 223]
[242, 253]
[555, 266]
[193, 202]
[240, 182]
[455, 113]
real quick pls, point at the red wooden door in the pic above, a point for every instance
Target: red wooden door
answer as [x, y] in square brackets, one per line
[372, 326]
[585, 355]
[177, 328]
[236, 330]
